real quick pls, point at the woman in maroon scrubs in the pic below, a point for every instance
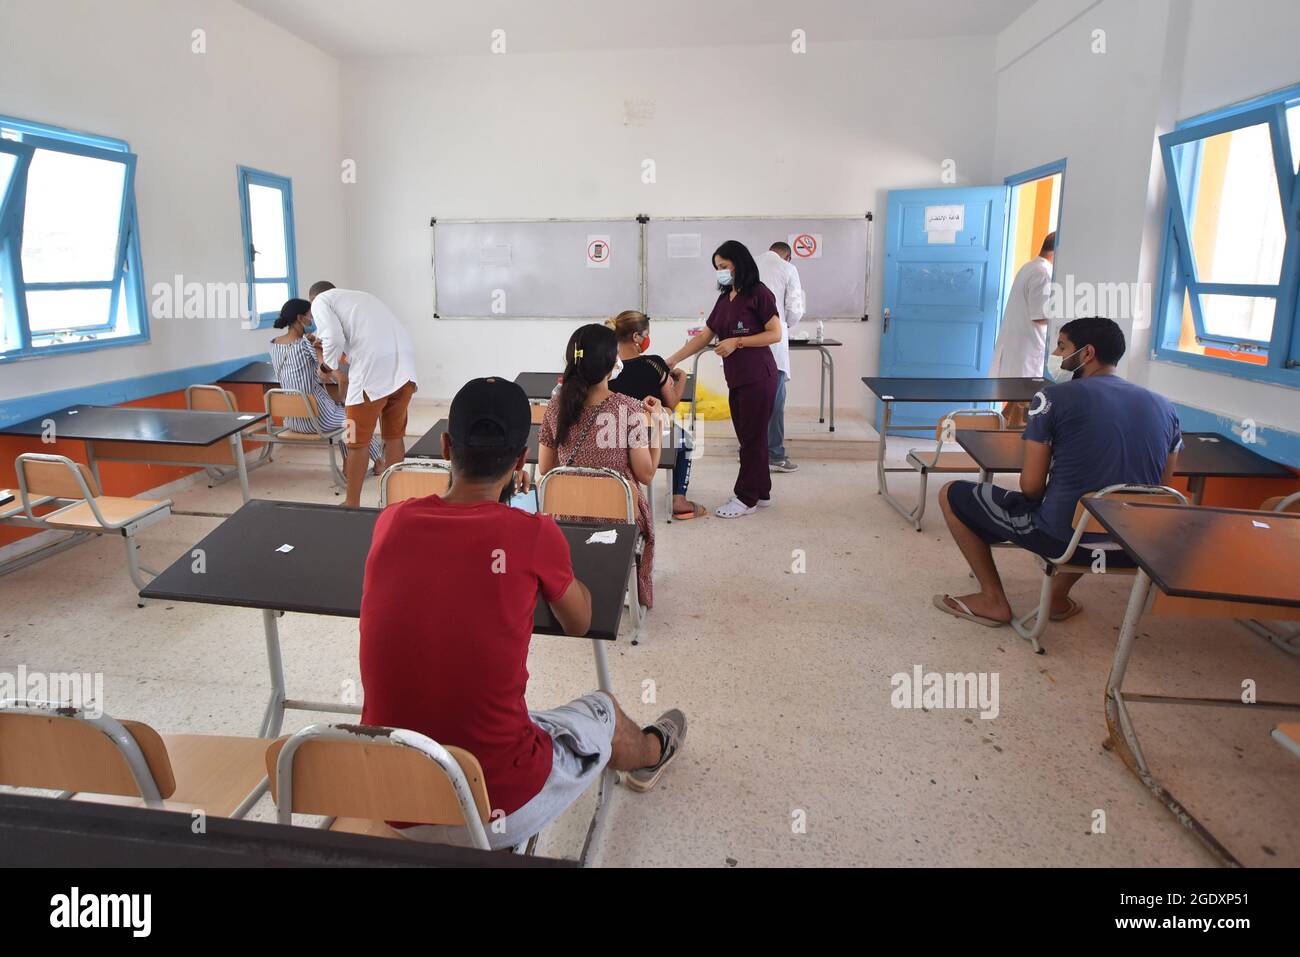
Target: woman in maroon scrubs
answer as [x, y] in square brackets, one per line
[745, 321]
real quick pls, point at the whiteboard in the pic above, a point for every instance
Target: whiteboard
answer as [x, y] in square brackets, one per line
[834, 276]
[536, 268]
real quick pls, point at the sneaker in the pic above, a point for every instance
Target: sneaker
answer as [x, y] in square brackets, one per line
[785, 465]
[735, 509]
[671, 728]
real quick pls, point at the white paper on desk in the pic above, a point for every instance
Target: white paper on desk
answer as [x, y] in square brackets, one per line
[245, 418]
[1258, 524]
[1208, 438]
[286, 548]
[607, 537]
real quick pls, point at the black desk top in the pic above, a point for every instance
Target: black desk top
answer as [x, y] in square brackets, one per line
[813, 343]
[258, 373]
[539, 385]
[322, 574]
[429, 445]
[79, 834]
[100, 423]
[954, 390]
[1205, 454]
[1218, 553]
[6, 496]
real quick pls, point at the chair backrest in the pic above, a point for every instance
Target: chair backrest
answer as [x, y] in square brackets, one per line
[1146, 494]
[981, 420]
[586, 493]
[538, 412]
[1282, 503]
[377, 774]
[412, 479]
[210, 398]
[283, 403]
[54, 475]
[46, 745]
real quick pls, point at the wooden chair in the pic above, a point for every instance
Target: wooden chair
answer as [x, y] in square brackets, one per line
[214, 398]
[291, 403]
[598, 494]
[1284, 636]
[538, 413]
[97, 758]
[1031, 626]
[358, 777]
[941, 461]
[57, 480]
[413, 478]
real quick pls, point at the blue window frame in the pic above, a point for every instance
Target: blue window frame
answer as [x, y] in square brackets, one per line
[270, 253]
[70, 271]
[1230, 269]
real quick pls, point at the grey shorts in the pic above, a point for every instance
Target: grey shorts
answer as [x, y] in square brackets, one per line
[582, 733]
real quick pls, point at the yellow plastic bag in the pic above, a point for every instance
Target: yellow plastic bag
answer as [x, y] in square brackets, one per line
[709, 404]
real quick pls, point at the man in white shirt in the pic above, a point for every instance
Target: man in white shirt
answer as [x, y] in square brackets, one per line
[381, 373]
[778, 274]
[1021, 346]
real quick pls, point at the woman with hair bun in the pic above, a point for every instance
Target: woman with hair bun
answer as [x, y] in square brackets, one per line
[648, 375]
[588, 425]
[745, 321]
[293, 355]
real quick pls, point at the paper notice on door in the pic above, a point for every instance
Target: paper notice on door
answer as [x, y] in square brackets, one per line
[683, 245]
[943, 219]
[494, 254]
[940, 236]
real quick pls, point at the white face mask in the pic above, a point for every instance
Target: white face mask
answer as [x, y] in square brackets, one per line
[618, 369]
[1056, 366]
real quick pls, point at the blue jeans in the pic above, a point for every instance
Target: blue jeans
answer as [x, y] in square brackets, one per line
[776, 424]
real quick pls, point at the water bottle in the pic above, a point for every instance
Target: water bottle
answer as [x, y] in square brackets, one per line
[821, 330]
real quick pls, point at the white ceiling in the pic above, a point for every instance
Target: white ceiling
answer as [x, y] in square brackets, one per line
[380, 28]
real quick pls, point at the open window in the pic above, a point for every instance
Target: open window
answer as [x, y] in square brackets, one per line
[1229, 274]
[270, 257]
[70, 275]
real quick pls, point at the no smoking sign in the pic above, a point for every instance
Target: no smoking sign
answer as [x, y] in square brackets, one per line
[806, 245]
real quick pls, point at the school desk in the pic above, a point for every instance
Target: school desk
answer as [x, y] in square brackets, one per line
[84, 834]
[538, 386]
[255, 373]
[154, 436]
[952, 392]
[1205, 563]
[1205, 455]
[822, 347]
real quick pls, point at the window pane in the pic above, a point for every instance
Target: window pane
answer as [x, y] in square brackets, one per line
[50, 311]
[1293, 132]
[270, 296]
[1236, 215]
[7, 163]
[1238, 318]
[266, 216]
[72, 215]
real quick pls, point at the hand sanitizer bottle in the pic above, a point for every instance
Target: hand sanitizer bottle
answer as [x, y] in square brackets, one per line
[821, 330]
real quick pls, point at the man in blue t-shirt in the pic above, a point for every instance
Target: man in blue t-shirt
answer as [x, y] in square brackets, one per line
[1087, 432]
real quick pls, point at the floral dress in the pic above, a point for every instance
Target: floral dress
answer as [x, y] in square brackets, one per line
[597, 452]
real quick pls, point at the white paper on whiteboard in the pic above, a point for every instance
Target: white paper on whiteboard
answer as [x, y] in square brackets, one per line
[935, 236]
[683, 245]
[598, 251]
[941, 219]
[497, 254]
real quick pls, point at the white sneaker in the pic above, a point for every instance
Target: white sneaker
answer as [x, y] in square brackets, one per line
[735, 509]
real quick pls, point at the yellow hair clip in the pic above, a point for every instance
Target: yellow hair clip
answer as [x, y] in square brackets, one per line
[577, 354]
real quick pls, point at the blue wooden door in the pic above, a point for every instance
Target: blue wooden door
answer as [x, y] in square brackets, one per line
[943, 289]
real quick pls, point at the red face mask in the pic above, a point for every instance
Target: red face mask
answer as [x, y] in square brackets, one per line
[645, 344]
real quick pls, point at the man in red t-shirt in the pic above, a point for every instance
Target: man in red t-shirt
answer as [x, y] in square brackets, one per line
[446, 618]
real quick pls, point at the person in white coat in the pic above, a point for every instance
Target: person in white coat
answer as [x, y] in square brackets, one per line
[1021, 346]
[778, 274]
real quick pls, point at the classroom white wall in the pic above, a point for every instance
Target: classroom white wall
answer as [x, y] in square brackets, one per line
[259, 97]
[735, 131]
[1164, 61]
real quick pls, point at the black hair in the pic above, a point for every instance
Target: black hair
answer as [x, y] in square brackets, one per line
[781, 248]
[319, 287]
[479, 463]
[1104, 335]
[1049, 244]
[290, 312]
[744, 271]
[590, 355]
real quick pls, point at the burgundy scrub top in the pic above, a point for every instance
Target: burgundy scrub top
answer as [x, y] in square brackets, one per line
[746, 315]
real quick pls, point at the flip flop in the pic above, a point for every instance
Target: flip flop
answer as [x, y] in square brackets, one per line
[699, 512]
[940, 602]
[1073, 610]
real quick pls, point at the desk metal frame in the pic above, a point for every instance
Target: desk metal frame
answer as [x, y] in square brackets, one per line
[827, 368]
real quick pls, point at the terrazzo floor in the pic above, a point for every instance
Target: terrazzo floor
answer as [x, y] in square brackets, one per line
[795, 754]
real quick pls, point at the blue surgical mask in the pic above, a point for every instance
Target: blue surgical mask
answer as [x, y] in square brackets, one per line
[724, 277]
